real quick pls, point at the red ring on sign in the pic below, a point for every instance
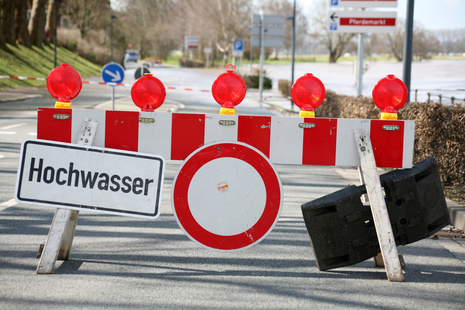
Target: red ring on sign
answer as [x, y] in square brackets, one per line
[273, 191]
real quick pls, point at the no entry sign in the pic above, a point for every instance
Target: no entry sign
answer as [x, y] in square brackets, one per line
[82, 177]
[227, 196]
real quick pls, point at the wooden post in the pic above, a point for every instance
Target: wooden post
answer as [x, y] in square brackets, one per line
[378, 206]
[61, 233]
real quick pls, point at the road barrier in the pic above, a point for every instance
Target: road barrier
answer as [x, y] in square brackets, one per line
[227, 195]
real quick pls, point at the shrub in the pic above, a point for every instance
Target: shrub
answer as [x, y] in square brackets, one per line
[252, 81]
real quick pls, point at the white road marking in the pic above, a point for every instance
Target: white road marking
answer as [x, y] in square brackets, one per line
[12, 126]
[7, 132]
[7, 204]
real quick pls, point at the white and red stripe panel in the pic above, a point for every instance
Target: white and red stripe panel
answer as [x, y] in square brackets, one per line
[285, 140]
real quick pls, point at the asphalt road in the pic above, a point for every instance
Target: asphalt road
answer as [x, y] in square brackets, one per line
[131, 263]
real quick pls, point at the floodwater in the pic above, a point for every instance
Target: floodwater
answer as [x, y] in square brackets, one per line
[446, 77]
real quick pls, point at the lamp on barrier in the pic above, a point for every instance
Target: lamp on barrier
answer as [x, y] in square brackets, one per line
[390, 94]
[148, 93]
[229, 90]
[64, 83]
[308, 92]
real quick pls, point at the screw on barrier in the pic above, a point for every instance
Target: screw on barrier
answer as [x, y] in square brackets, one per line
[229, 90]
[390, 94]
[308, 92]
[148, 93]
[64, 83]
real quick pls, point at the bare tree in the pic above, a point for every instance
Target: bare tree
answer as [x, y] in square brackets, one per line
[50, 22]
[396, 41]
[37, 22]
[22, 35]
[286, 8]
[424, 42]
[336, 43]
[85, 14]
[218, 22]
[8, 21]
[141, 20]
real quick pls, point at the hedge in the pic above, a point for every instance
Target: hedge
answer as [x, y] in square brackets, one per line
[439, 129]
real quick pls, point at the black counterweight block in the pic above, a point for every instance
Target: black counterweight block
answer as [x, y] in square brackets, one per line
[341, 228]
[415, 201]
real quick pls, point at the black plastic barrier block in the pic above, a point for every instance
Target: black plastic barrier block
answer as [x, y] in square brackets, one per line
[415, 201]
[341, 228]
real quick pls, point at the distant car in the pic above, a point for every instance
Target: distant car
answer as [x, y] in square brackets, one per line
[131, 56]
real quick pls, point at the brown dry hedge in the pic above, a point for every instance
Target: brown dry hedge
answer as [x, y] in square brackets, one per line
[439, 129]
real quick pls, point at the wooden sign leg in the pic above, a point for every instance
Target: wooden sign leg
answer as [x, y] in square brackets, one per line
[378, 206]
[61, 233]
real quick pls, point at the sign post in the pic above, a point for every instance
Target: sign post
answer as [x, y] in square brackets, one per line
[113, 73]
[362, 22]
[191, 43]
[238, 50]
[267, 31]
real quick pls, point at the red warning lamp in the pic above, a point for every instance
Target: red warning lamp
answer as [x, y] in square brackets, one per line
[64, 83]
[148, 93]
[308, 92]
[390, 94]
[229, 90]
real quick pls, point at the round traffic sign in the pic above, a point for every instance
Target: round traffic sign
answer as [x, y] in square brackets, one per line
[227, 196]
[140, 72]
[113, 73]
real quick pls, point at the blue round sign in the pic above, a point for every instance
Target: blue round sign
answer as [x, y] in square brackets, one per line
[112, 73]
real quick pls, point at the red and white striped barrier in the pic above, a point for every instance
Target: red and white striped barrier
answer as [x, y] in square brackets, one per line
[22, 78]
[190, 89]
[284, 140]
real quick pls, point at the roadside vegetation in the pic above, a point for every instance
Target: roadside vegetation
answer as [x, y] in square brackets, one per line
[38, 62]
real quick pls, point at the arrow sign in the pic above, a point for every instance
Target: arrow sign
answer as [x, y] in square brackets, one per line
[362, 21]
[116, 76]
[334, 17]
[112, 73]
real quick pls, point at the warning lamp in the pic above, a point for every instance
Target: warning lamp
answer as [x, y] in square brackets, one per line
[148, 93]
[390, 94]
[64, 83]
[308, 92]
[229, 90]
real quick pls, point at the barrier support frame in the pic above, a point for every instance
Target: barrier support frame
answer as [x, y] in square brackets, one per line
[61, 233]
[370, 177]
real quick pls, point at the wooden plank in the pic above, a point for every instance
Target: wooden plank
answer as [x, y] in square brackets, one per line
[378, 206]
[61, 233]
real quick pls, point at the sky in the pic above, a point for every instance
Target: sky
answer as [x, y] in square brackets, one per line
[430, 14]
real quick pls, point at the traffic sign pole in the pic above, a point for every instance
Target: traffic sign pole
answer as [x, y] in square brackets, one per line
[361, 46]
[112, 73]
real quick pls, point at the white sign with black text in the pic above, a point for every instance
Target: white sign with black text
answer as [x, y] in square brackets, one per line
[78, 177]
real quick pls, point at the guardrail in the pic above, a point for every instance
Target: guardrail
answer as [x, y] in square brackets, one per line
[452, 99]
